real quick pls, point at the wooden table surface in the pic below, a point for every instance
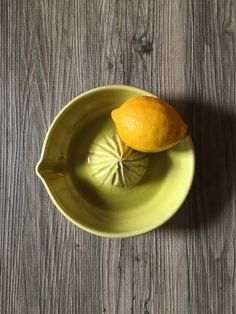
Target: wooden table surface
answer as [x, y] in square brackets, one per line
[183, 51]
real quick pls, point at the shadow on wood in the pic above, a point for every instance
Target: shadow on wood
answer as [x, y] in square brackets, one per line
[213, 133]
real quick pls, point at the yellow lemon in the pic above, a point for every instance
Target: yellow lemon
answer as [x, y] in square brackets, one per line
[149, 124]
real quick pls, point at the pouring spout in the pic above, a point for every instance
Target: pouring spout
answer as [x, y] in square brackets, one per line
[49, 170]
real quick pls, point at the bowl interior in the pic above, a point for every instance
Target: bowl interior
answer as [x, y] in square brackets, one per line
[103, 210]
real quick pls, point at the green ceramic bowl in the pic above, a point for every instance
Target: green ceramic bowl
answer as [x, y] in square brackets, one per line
[102, 210]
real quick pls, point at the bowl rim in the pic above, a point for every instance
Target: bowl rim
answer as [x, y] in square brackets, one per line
[75, 222]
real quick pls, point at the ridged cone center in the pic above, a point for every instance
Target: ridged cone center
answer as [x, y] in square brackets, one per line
[116, 164]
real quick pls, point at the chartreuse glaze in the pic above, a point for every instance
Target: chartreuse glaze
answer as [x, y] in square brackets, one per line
[128, 193]
[114, 164]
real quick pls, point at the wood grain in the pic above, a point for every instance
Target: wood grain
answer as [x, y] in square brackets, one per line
[185, 52]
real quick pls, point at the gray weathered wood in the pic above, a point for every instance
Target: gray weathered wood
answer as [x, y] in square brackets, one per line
[185, 52]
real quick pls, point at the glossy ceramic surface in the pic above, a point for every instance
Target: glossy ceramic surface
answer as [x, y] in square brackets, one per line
[106, 210]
